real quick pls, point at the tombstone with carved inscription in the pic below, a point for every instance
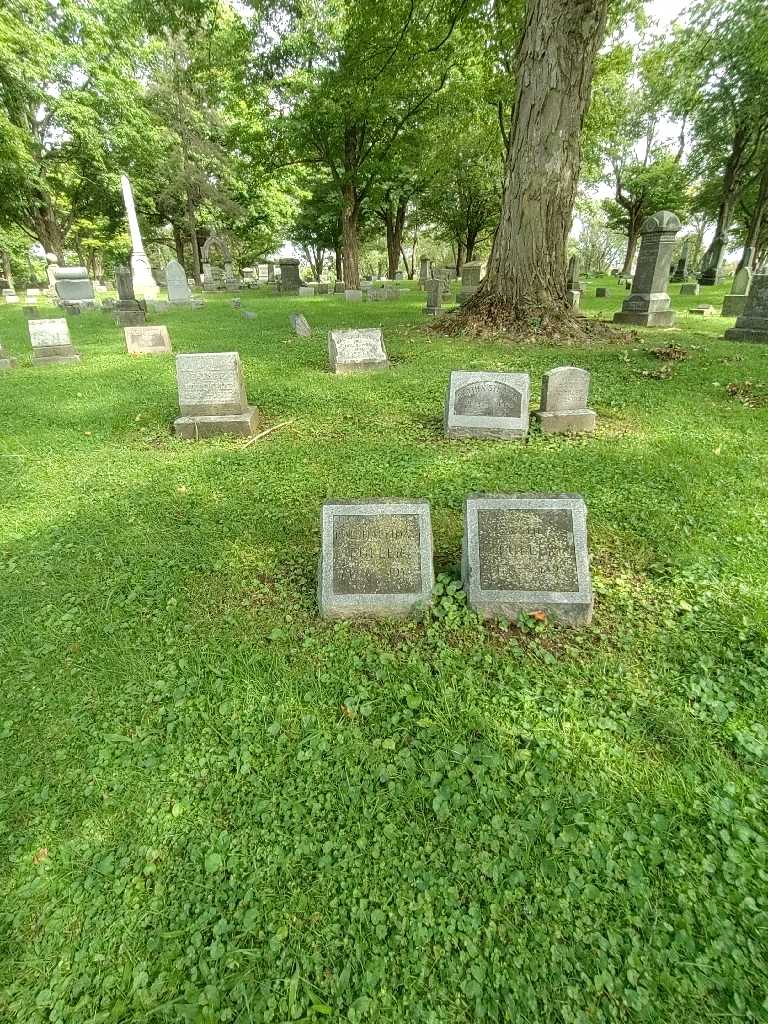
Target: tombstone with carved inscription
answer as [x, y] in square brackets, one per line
[487, 404]
[51, 342]
[375, 559]
[526, 553]
[147, 341]
[649, 304]
[350, 351]
[212, 398]
[564, 399]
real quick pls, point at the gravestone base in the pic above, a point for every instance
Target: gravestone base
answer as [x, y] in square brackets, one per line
[581, 421]
[755, 334]
[55, 354]
[703, 310]
[7, 362]
[659, 318]
[734, 305]
[238, 424]
[130, 317]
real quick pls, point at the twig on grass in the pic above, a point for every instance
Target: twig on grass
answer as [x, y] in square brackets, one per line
[269, 430]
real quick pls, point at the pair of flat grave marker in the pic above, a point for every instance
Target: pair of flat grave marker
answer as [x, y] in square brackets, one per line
[495, 405]
[520, 553]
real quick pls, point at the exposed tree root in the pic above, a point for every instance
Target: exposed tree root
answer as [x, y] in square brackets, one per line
[485, 316]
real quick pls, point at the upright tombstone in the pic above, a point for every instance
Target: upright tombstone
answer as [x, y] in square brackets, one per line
[525, 553]
[735, 303]
[572, 275]
[144, 282]
[51, 342]
[351, 351]
[375, 559]
[212, 398]
[129, 312]
[147, 341]
[290, 280]
[322, 288]
[712, 267]
[487, 405]
[752, 324]
[11, 298]
[7, 362]
[307, 291]
[681, 270]
[471, 274]
[564, 400]
[692, 288]
[300, 325]
[338, 288]
[649, 304]
[434, 296]
[179, 292]
[74, 287]
[424, 275]
[353, 294]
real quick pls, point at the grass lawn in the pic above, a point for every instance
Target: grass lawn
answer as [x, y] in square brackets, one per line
[216, 807]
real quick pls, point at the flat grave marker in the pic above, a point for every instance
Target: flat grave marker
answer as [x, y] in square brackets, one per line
[487, 405]
[357, 349]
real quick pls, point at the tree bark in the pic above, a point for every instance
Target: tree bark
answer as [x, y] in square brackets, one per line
[7, 273]
[755, 225]
[192, 229]
[350, 221]
[460, 256]
[632, 239]
[339, 263]
[178, 242]
[555, 66]
[729, 195]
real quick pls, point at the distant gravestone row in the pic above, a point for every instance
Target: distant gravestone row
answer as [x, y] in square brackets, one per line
[521, 553]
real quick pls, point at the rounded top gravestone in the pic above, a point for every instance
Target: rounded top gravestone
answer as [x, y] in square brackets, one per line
[664, 220]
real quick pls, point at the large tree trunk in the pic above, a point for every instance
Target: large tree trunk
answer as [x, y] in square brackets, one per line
[554, 69]
[178, 242]
[460, 256]
[731, 188]
[395, 222]
[339, 263]
[350, 218]
[49, 232]
[629, 257]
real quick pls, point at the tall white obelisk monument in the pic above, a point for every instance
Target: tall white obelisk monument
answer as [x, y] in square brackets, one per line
[144, 284]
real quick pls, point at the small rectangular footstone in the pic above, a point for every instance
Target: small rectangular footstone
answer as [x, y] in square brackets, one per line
[375, 559]
[527, 553]
[357, 349]
[212, 397]
[150, 341]
[487, 404]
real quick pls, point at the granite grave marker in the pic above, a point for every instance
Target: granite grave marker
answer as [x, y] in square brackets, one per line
[649, 304]
[212, 397]
[487, 405]
[357, 349]
[564, 400]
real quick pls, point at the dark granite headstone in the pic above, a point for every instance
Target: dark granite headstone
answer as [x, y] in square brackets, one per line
[649, 305]
[752, 325]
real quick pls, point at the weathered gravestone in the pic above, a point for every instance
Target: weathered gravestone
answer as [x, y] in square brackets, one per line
[129, 311]
[179, 292]
[703, 310]
[470, 280]
[290, 281]
[375, 559]
[7, 362]
[147, 341]
[752, 325]
[681, 270]
[300, 325]
[485, 404]
[11, 298]
[307, 292]
[564, 400]
[73, 286]
[33, 293]
[357, 349]
[322, 287]
[735, 303]
[649, 305]
[51, 342]
[338, 288]
[434, 296]
[572, 274]
[212, 398]
[527, 553]
[689, 289]
[353, 294]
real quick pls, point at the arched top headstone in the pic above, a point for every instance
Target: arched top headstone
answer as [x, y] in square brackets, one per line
[664, 221]
[221, 243]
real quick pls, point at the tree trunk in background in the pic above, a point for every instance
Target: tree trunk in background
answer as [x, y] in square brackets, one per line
[460, 258]
[632, 239]
[192, 230]
[178, 242]
[554, 69]
[7, 274]
[350, 222]
[49, 232]
[713, 257]
[758, 216]
[339, 264]
[394, 222]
